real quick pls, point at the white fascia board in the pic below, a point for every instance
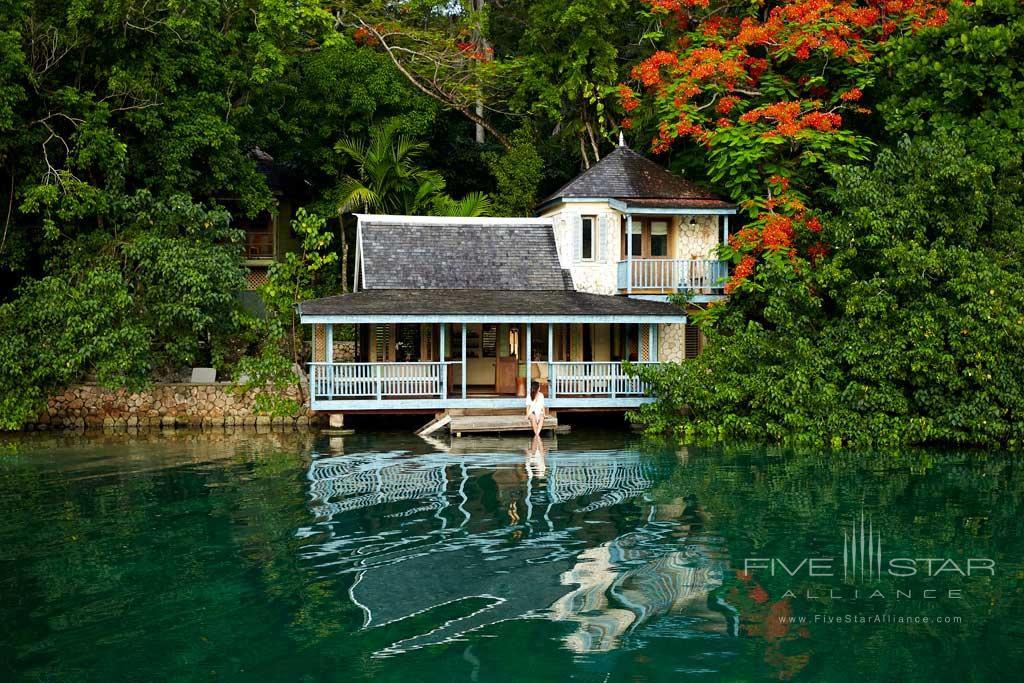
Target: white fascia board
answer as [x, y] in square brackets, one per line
[624, 207]
[484, 318]
[360, 272]
[441, 220]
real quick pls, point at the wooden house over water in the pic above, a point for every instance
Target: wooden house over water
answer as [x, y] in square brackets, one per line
[459, 313]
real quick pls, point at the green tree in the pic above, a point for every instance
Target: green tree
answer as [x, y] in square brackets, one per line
[439, 47]
[965, 76]
[300, 276]
[146, 296]
[390, 180]
[337, 90]
[137, 95]
[519, 172]
[563, 62]
[907, 334]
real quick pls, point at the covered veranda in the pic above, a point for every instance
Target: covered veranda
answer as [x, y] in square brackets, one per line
[437, 349]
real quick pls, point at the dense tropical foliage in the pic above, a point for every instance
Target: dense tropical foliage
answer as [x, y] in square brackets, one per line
[882, 305]
[874, 146]
[904, 334]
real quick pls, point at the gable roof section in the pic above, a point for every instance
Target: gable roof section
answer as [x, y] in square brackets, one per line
[415, 252]
[627, 175]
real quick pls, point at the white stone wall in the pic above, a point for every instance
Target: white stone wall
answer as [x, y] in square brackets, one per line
[597, 276]
[698, 241]
[670, 343]
[600, 276]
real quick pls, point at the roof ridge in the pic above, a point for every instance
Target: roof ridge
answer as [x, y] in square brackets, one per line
[627, 174]
[409, 219]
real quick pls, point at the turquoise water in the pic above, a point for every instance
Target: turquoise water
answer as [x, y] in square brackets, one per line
[298, 557]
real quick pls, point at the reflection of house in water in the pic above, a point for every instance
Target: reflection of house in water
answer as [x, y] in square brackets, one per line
[341, 484]
[430, 533]
[632, 580]
[351, 482]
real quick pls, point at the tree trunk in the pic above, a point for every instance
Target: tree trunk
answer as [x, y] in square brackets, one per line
[593, 142]
[481, 46]
[479, 127]
[344, 255]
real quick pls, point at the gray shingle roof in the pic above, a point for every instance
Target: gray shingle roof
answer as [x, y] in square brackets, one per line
[444, 302]
[625, 174]
[405, 254]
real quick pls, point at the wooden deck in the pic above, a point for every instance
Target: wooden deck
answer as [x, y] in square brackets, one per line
[475, 421]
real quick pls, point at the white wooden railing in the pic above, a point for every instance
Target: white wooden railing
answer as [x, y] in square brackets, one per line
[674, 275]
[597, 379]
[388, 381]
[334, 381]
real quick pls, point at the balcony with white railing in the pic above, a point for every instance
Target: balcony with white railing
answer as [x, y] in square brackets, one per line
[429, 385]
[669, 276]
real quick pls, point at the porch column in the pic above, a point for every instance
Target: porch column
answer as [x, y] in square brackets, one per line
[551, 358]
[629, 253]
[652, 340]
[444, 366]
[312, 368]
[529, 354]
[463, 360]
[725, 229]
[329, 358]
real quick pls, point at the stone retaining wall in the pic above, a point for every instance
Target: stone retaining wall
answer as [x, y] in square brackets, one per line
[161, 405]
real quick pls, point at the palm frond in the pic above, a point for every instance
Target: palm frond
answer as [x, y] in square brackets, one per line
[473, 205]
[353, 195]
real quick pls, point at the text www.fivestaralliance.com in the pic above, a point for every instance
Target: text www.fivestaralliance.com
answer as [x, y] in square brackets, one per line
[868, 619]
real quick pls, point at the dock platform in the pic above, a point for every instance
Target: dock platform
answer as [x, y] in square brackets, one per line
[475, 421]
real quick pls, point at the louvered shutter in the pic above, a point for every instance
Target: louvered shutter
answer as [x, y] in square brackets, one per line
[565, 242]
[382, 342]
[577, 238]
[691, 341]
[602, 238]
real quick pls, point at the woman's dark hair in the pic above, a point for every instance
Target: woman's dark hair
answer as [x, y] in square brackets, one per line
[534, 388]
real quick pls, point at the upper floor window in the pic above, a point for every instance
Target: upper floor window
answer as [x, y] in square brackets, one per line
[647, 237]
[587, 239]
[659, 238]
[259, 235]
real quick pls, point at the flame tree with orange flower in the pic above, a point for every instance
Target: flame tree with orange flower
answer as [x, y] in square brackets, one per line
[872, 305]
[771, 92]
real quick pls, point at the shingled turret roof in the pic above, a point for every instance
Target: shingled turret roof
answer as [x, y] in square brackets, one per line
[632, 177]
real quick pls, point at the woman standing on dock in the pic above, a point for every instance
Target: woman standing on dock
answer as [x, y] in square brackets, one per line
[535, 411]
